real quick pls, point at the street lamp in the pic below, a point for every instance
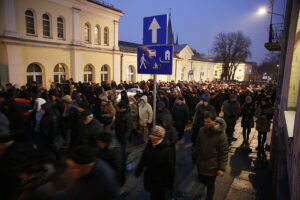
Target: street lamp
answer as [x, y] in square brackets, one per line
[273, 30]
[262, 11]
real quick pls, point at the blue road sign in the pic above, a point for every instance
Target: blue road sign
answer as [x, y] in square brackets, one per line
[155, 59]
[155, 30]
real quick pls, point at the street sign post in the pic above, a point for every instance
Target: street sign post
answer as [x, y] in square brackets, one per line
[155, 30]
[155, 59]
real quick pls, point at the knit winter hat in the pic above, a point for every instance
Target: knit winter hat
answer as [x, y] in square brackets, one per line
[158, 132]
[83, 154]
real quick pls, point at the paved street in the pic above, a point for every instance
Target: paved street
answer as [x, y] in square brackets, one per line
[244, 174]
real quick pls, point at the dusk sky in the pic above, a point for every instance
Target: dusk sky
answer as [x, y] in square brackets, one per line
[197, 22]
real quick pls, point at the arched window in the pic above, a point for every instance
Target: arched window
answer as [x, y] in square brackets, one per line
[60, 73]
[34, 73]
[60, 28]
[46, 25]
[104, 73]
[88, 73]
[87, 32]
[97, 34]
[130, 74]
[30, 24]
[106, 36]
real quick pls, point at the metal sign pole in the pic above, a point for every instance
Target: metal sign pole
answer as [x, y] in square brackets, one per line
[154, 100]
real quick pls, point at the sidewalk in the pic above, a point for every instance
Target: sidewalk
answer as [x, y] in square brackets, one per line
[246, 176]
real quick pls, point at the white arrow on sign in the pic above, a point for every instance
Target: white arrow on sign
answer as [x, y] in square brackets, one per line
[154, 26]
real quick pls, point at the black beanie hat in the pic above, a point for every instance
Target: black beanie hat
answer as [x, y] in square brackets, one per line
[84, 154]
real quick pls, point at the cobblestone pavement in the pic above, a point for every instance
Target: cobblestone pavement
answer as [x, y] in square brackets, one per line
[246, 176]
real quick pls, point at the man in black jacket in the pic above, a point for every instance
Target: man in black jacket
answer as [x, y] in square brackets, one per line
[181, 116]
[94, 178]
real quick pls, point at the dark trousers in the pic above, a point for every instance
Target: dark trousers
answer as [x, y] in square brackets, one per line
[262, 136]
[158, 195]
[180, 130]
[230, 131]
[209, 182]
[246, 133]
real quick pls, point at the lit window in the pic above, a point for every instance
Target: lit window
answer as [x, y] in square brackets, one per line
[104, 73]
[60, 73]
[34, 73]
[88, 73]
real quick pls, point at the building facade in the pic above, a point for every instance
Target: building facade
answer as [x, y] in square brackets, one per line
[286, 131]
[54, 40]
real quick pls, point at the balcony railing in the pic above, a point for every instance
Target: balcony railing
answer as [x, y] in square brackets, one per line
[275, 35]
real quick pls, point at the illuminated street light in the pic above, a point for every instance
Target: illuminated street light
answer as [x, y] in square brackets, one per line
[262, 11]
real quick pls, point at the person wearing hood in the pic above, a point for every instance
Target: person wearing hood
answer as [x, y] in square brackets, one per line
[90, 128]
[210, 153]
[231, 109]
[145, 116]
[248, 110]
[198, 121]
[158, 165]
[180, 115]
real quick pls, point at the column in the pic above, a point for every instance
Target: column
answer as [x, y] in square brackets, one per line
[116, 35]
[76, 26]
[10, 26]
[116, 68]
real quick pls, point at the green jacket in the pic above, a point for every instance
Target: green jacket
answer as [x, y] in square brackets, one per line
[210, 152]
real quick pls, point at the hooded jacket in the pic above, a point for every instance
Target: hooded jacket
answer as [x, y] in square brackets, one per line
[145, 111]
[210, 153]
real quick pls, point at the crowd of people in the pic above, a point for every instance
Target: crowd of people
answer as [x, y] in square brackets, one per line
[71, 141]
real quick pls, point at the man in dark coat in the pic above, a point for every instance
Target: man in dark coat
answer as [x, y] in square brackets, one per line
[94, 178]
[90, 128]
[248, 110]
[157, 164]
[163, 112]
[231, 109]
[49, 130]
[198, 122]
[181, 116]
[110, 152]
[210, 153]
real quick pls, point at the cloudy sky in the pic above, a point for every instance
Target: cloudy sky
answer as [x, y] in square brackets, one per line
[197, 22]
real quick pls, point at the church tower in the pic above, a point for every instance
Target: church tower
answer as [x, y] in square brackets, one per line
[170, 31]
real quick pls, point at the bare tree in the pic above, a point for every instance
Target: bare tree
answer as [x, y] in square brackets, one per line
[231, 49]
[270, 65]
